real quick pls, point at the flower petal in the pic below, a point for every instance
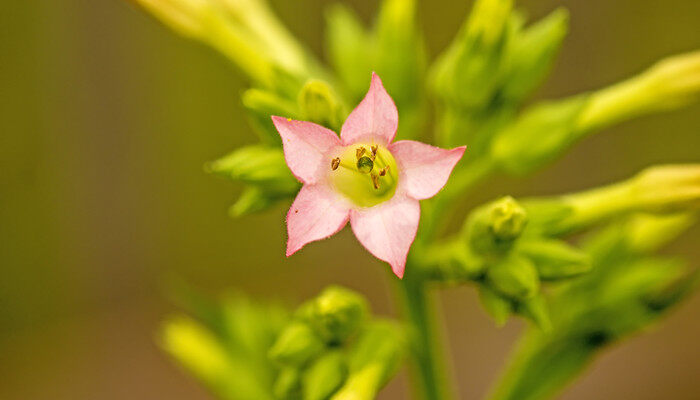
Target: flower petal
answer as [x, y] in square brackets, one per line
[305, 146]
[315, 214]
[388, 230]
[376, 116]
[424, 169]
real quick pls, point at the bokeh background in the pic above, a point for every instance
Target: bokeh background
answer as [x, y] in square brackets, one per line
[107, 118]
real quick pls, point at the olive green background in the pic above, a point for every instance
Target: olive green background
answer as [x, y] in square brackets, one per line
[107, 118]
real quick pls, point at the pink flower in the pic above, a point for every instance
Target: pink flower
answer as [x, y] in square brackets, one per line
[362, 177]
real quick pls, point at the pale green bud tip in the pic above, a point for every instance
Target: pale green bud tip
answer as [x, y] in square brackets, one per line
[319, 104]
[488, 19]
[507, 219]
[296, 345]
[195, 347]
[668, 188]
[515, 277]
[670, 83]
[325, 376]
[337, 314]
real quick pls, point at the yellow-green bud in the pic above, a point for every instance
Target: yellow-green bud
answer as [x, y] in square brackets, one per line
[495, 304]
[287, 386]
[296, 345]
[491, 229]
[337, 313]
[324, 376]
[515, 277]
[318, 103]
[555, 259]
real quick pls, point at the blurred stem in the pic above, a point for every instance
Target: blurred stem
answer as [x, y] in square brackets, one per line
[430, 381]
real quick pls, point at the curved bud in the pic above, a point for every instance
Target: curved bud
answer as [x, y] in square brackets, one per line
[296, 345]
[555, 259]
[336, 314]
[491, 229]
[515, 277]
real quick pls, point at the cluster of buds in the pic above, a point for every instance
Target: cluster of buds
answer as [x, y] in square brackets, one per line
[332, 350]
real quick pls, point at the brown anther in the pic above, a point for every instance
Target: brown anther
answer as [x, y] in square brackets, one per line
[382, 172]
[335, 163]
[375, 181]
[374, 149]
[359, 152]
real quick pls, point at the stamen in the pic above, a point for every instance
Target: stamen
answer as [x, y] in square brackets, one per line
[359, 152]
[335, 163]
[383, 171]
[375, 181]
[374, 149]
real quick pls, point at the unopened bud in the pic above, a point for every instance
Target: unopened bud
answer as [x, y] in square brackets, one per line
[515, 277]
[495, 304]
[296, 345]
[324, 376]
[261, 166]
[337, 313]
[287, 386]
[318, 103]
[555, 259]
[491, 229]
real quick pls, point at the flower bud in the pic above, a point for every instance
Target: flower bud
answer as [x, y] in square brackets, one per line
[667, 188]
[336, 314]
[532, 55]
[296, 345]
[515, 277]
[469, 72]
[492, 228]
[555, 259]
[324, 376]
[319, 104]
[496, 305]
[287, 386]
[374, 358]
[539, 135]
[670, 83]
[260, 104]
[261, 166]
[646, 233]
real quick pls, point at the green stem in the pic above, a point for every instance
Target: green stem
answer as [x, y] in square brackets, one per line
[429, 378]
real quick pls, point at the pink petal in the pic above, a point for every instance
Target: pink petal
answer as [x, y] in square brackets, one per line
[375, 117]
[424, 169]
[305, 147]
[316, 213]
[387, 230]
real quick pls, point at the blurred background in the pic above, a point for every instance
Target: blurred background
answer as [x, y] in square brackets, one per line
[107, 118]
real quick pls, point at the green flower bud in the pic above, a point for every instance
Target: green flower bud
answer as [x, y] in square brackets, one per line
[535, 309]
[251, 201]
[647, 232]
[491, 229]
[469, 72]
[349, 50]
[496, 305]
[374, 358]
[532, 55]
[261, 104]
[337, 313]
[319, 104]
[261, 166]
[515, 277]
[670, 83]
[539, 135]
[324, 376]
[287, 386]
[296, 345]
[555, 259]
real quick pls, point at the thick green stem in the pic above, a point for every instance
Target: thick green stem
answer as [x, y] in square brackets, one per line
[429, 378]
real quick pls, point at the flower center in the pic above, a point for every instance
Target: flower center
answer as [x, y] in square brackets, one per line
[365, 173]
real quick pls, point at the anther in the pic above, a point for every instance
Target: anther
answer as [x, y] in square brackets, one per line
[359, 152]
[335, 163]
[382, 172]
[374, 149]
[375, 181]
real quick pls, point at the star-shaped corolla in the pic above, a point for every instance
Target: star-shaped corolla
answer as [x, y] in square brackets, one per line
[362, 176]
